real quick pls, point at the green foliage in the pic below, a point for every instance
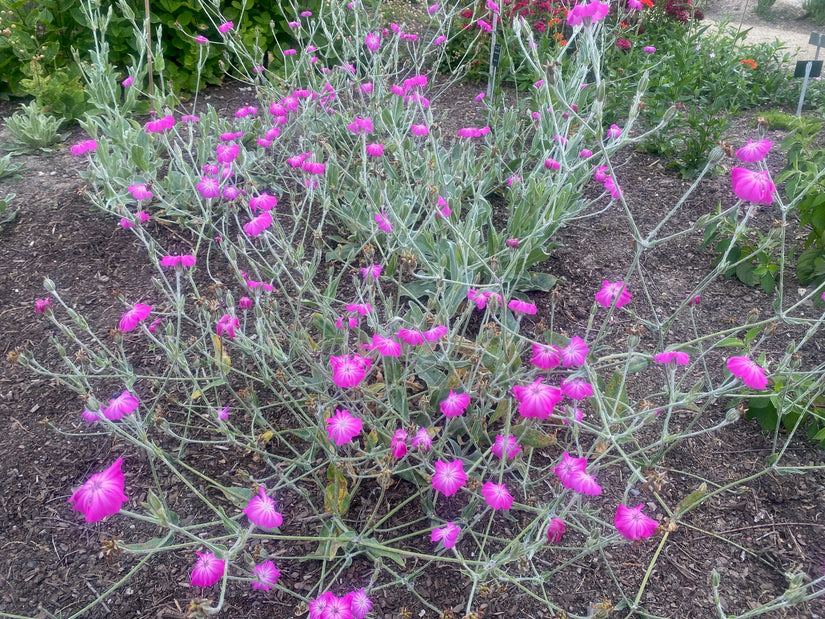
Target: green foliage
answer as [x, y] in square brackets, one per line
[801, 407]
[33, 130]
[815, 10]
[7, 213]
[9, 170]
[763, 8]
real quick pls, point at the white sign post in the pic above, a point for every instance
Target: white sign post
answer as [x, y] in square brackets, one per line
[809, 68]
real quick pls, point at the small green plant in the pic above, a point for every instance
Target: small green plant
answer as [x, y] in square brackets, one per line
[33, 130]
[8, 170]
[815, 10]
[777, 119]
[764, 8]
[7, 213]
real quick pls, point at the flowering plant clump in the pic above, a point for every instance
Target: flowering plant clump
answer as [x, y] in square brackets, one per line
[361, 338]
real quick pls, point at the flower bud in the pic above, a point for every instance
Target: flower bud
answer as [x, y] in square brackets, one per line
[48, 285]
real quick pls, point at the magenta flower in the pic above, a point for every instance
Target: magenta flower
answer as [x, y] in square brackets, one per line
[613, 291]
[649, 49]
[455, 404]
[505, 443]
[83, 147]
[373, 271]
[201, 39]
[227, 153]
[753, 186]
[360, 604]
[574, 353]
[185, 260]
[555, 530]
[209, 187]
[208, 570]
[130, 319]
[266, 576]
[496, 495]
[448, 534]
[140, 192]
[443, 208]
[438, 41]
[432, 8]
[751, 374]
[373, 41]
[361, 125]
[519, 306]
[614, 131]
[537, 400]
[383, 222]
[314, 167]
[343, 427]
[633, 524]
[375, 149]
[128, 82]
[754, 151]
[586, 153]
[585, 15]
[124, 404]
[677, 356]
[419, 130]
[573, 476]
[264, 201]
[422, 440]
[545, 357]
[245, 302]
[449, 477]
[223, 413]
[362, 309]
[41, 305]
[552, 164]
[636, 5]
[410, 336]
[89, 416]
[576, 388]
[349, 370]
[512, 243]
[398, 443]
[226, 326]
[102, 495]
[483, 297]
[261, 511]
[226, 27]
[162, 124]
[435, 333]
[258, 224]
[388, 347]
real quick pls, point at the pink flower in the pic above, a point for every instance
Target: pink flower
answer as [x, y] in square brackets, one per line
[162, 124]
[226, 326]
[423, 440]
[552, 164]
[432, 8]
[383, 222]
[361, 125]
[185, 260]
[614, 131]
[128, 82]
[265, 202]
[362, 309]
[649, 49]
[83, 147]
[227, 153]
[754, 151]
[574, 354]
[388, 347]
[636, 5]
[555, 530]
[438, 41]
[753, 186]
[223, 413]
[573, 476]
[398, 443]
[681, 358]
[455, 404]
[479, 97]
[266, 576]
[314, 167]
[209, 187]
[545, 357]
[409, 336]
[140, 192]
[155, 324]
[517, 305]
[130, 319]
[496, 495]
[537, 400]
[483, 297]
[613, 187]
[751, 374]
[600, 175]
[201, 39]
[633, 524]
[613, 291]
[41, 305]
[443, 208]
[449, 477]
[372, 41]
[576, 388]
[208, 569]
[586, 153]
[375, 149]
[585, 15]
[360, 604]
[89, 416]
[258, 224]
[245, 302]
[102, 495]
[448, 534]
[419, 130]
[507, 443]
[226, 27]
[343, 427]
[435, 333]
[349, 370]
[624, 44]
[261, 511]
[124, 404]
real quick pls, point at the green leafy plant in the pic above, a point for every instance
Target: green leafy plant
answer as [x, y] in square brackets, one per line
[9, 170]
[7, 212]
[33, 130]
[815, 10]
